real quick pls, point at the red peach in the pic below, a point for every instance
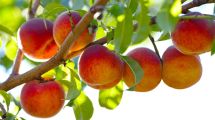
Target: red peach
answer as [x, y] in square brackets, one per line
[64, 24]
[193, 36]
[179, 70]
[42, 99]
[151, 65]
[100, 68]
[36, 40]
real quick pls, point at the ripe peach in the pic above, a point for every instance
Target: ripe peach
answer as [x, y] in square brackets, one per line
[42, 99]
[151, 65]
[36, 40]
[179, 70]
[100, 68]
[64, 24]
[193, 36]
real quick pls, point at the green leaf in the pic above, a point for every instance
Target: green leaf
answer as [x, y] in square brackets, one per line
[136, 70]
[132, 5]
[155, 28]
[0, 42]
[116, 9]
[11, 49]
[6, 62]
[11, 18]
[83, 107]
[46, 2]
[111, 98]
[74, 88]
[6, 3]
[143, 20]
[6, 30]
[109, 20]
[50, 74]
[123, 31]
[6, 97]
[22, 118]
[164, 36]
[10, 116]
[213, 48]
[100, 33]
[169, 14]
[17, 103]
[53, 9]
[60, 73]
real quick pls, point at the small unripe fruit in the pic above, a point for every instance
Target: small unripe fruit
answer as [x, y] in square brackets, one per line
[193, 36]
[179, 70]
[36, 40]
[100, 68]
[64, 24]
[151, 65]
[42, 99]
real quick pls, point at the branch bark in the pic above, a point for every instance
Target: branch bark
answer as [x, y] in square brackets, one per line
[195, 3]
[33, 8]
[31, 13]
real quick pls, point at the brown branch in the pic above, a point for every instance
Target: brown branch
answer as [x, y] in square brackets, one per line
[195, 3]
[17, 63]
[33, 8]
[58, 58]
[31, 13]
[4, 112]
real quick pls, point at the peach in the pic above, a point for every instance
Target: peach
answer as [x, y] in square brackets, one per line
[193, 36]
[100, 68]
[42, 99]
[64, 24]
[151, 65]
[179, 70]
[36, 40]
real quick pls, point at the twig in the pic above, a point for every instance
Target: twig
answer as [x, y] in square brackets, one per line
[31, 13]
[17, 63]
[195, 3]
[57, 59]
[155, 47]
[33, 8]
[4, 112]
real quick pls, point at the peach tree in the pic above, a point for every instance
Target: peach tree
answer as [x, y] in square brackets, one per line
[91, 43]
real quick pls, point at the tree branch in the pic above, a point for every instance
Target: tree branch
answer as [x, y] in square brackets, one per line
[33, 8]
[17, 63]
[4, 112]
[195, 3]
[36, 72]
[31, 13]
